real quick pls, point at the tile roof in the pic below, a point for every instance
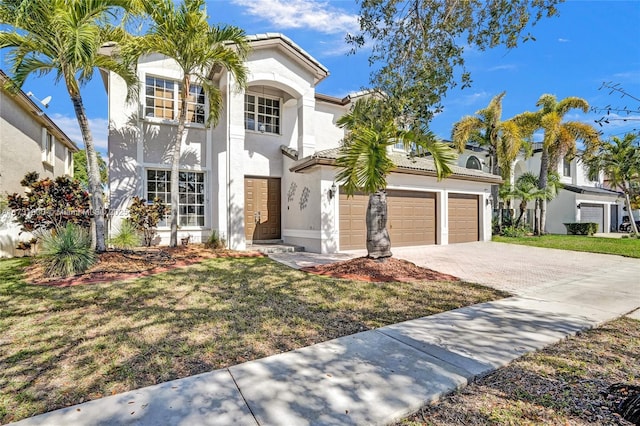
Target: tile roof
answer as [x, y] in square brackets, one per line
[405, 164]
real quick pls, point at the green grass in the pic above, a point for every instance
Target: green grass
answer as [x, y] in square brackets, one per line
[62, 346]
[629, 247]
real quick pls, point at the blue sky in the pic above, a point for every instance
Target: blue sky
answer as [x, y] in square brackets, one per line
[591, 42]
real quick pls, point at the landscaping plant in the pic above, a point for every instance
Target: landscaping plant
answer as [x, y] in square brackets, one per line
[66, 251]
[144, 217]
[126, 237]
[50, 204]
[215, 241]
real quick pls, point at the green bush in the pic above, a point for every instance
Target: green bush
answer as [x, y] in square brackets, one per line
[215, 241]
[126, 237]
[145, 217]
[66, 251]
[588, 228]
[514, 232]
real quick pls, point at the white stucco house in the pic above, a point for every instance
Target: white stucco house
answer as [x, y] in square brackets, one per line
[29, 141]
[266, 171]
[579, 200]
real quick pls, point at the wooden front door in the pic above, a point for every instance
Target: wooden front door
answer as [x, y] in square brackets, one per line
[261, 208]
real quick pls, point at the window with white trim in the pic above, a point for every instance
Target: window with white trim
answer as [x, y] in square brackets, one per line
[162, 100]
[68, 164]
[262, 114]
[191, 202]
[48, 147]
[566, 167]
[473, 163]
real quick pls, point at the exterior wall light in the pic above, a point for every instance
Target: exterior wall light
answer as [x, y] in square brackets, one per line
[332, 191]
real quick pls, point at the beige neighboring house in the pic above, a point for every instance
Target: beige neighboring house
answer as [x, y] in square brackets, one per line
[267, 171]
[29, 141]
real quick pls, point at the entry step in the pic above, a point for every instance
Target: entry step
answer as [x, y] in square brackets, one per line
[270, 248]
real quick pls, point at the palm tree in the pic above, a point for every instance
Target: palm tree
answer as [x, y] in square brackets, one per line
[180, 31]
[526, 189]
[560, 137]
[619, 159]
[65, 37]
[365, 163]
[503, 139]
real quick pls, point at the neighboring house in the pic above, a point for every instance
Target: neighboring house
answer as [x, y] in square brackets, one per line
[579, 200]
[29, 141]
[266, 171]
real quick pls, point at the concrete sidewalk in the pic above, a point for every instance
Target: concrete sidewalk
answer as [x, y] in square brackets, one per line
[378, 376]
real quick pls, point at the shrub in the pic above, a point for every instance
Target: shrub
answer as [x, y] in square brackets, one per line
[126, 237]
[66, 251]
[145, 217]
[514, 232]
[588, 228]
[215, 241]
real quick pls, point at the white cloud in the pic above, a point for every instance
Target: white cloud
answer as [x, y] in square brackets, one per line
[505, 67]
[99, 130]
[563, 40]
[470, 99]
[313, 15]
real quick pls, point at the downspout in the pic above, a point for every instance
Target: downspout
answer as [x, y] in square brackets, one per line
[228, 158]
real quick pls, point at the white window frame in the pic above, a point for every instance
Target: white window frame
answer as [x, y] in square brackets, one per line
[48, 147]
[194, 200]
[566, 166]
[469, 158]
[196, 111]
[266, 121]
[68, 161]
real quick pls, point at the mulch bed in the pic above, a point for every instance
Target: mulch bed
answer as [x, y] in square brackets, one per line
[120, 265]
[379, 270]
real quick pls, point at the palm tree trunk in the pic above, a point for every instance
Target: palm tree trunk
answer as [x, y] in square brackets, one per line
[95, 186]
[523, 207]
[175, 162]
[632, 222]
[542, 184]
[378, 241]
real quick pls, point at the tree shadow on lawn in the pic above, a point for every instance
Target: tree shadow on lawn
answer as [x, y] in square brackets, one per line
[63, 346]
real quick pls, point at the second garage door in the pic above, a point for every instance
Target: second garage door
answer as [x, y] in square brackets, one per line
[411, 219]
[463, 218]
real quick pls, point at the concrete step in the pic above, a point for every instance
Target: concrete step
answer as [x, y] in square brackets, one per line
[271, 248]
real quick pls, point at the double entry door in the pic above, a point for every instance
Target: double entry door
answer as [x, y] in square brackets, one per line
[261, 208]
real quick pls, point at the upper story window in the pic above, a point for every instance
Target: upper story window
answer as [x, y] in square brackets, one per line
[473, 163]
[162, 100]
[566, 168]
[68, 164]
[262, 114]
[48, 147]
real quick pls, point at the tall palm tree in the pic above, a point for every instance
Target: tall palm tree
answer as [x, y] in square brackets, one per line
[65, 37]
[560, 137]
[503, 139]
[619, 159]
[365, 163]
[180, 31]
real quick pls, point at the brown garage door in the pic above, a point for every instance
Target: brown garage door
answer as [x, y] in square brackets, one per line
[463, 218]
[411, 221]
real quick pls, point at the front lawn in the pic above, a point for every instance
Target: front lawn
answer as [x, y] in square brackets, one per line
[629, 247]
[64, 345]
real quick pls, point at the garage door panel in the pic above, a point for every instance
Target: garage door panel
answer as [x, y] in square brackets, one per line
[411, 219]
[592, 213]
[463, 218]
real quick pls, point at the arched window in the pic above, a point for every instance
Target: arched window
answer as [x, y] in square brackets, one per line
[473, 163]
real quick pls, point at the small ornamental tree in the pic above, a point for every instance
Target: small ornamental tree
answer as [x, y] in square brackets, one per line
[50, 204]
[145, 217]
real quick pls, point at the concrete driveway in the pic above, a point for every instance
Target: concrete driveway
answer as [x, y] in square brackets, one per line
[520, 269]
[540, 273]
